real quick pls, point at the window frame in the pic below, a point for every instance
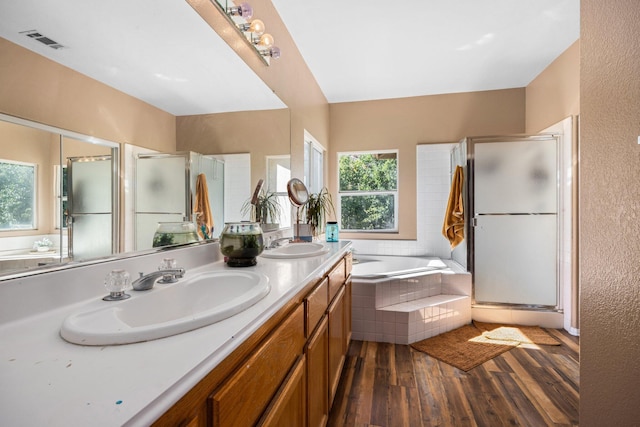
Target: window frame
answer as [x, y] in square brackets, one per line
[34, 200]
[395, 193]
[314, 154]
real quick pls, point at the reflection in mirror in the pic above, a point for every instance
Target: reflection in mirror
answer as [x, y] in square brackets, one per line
[278, 175]
[165, 190]
[299, 196]
[33, 223]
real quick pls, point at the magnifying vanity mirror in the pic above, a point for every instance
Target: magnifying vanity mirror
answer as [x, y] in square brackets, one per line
[299, 196]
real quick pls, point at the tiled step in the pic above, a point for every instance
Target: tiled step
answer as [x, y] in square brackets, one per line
[412, 321]
[406, 310]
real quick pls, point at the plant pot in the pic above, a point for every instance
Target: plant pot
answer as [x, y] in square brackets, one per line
[303, 232]
[269, 227]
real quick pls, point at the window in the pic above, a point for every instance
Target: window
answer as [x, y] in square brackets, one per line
[278, 174]
[17, 195]
[313, 164]
[368, 191]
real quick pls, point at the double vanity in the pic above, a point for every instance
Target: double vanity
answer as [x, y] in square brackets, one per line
[270, 353]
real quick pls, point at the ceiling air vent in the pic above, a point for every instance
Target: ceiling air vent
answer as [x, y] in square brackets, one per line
[42, 39]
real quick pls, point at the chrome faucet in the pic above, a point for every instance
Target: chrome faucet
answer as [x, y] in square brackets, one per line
[146, 282]
[275, 243]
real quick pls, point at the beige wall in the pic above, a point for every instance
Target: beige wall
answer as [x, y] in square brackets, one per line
[35, 88]
[403, 123]
[610, 213]
[555, 93]
[262, 133]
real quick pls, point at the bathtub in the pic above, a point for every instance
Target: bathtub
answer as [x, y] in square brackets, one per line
[374, 267]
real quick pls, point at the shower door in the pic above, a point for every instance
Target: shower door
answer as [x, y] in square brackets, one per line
[514, 187]
[92, 226]
[161, 193]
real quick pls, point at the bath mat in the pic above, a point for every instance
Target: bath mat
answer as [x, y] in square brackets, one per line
[464, 348]
[519, 333]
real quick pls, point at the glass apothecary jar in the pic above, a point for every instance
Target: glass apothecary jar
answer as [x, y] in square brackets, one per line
[175, 233]
[241, 243]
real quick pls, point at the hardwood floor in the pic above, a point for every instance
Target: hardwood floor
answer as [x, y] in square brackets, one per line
[394, 385]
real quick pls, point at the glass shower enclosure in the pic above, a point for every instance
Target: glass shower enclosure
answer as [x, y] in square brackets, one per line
[513, 194]
[165, 191]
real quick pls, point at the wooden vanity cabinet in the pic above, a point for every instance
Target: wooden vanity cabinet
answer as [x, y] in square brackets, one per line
[286, 373]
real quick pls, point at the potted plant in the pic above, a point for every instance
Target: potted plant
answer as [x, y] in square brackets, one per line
[265, 210]
[318, 209]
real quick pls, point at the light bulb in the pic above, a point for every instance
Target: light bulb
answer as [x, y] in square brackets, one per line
[275, 52]
[244, 9]
[257, 27]
[266, 40]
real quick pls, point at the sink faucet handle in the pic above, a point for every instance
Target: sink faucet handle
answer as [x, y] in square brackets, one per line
[116, 283]
[167, 264]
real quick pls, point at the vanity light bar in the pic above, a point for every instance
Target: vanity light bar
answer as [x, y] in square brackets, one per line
[34, 34]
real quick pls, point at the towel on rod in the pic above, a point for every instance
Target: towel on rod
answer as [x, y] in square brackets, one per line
[202, 209]
[453, 227]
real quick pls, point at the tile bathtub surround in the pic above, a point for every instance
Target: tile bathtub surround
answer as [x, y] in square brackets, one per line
[403, 311]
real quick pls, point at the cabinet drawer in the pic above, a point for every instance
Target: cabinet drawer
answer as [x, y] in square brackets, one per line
[337, 277]
[241, 400]
[316, 305]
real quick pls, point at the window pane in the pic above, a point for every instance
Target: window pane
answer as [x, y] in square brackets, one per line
[368, 172]
[371, 212]
[17, 196]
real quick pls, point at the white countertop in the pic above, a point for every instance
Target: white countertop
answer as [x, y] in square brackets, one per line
[48, 381]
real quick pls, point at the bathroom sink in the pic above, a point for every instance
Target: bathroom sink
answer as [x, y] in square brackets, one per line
[296, 250]
[167, 310]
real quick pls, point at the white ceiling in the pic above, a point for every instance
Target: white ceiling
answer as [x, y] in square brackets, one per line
[162, 52]
[377, 49]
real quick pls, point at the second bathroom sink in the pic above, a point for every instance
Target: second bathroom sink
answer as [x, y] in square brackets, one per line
[189, 304]
[296, 250]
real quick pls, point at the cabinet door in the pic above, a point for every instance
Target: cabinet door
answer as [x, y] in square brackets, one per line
[336, 342]
[288, 407]
[347, 315]
[318, 375]
[242, 399]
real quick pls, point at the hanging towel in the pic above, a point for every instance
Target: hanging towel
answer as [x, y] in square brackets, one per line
[202, 209]
[453, 227]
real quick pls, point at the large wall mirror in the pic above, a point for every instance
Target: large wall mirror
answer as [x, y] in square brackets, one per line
[247, 132]
[59, 195]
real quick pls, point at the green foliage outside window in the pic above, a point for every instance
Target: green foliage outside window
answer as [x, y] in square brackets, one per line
[368, 189]
[17, 187]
